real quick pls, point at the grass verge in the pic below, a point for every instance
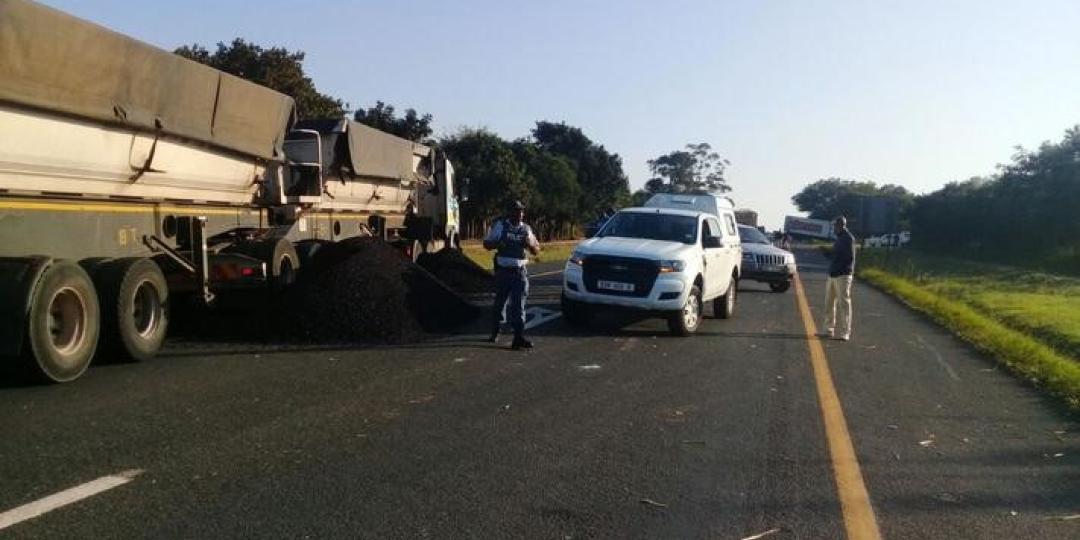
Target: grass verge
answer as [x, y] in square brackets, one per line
[551, 252]
[1020, 353]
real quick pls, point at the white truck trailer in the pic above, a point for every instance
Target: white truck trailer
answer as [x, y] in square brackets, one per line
[130, 175]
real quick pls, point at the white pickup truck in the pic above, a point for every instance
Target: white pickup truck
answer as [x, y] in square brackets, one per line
[661, 260]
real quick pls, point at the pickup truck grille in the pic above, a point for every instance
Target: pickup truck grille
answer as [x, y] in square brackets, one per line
[641, 272]
[770, 260]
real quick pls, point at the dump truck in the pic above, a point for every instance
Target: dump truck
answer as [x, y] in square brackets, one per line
[131, 177]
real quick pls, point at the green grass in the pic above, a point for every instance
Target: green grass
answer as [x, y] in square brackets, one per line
[550, 252]
[1030, 321]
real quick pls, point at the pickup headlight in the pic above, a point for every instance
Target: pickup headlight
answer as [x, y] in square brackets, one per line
[667, 267]
[576, 258]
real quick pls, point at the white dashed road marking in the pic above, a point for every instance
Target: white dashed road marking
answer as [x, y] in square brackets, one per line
[66, 497]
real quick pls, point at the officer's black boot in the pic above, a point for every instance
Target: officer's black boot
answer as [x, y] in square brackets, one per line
[520, 343]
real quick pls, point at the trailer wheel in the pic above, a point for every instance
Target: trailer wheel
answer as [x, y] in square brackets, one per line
[283, 266]
[64, 324]
[134, 309]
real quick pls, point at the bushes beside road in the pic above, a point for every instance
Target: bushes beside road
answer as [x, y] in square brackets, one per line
[1029, 321]
[552, 252]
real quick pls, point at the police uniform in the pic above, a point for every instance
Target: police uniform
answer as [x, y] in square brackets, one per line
[511, 275]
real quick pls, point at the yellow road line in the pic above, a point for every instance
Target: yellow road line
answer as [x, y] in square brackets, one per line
[859, 520]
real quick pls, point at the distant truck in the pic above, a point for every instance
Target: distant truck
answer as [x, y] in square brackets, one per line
[745, 216]
[806, 227]
[130, 177]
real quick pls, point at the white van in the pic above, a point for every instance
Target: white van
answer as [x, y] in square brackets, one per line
[712, 204]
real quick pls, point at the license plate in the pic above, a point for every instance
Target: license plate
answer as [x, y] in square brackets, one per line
[615, 286]
[774, 268]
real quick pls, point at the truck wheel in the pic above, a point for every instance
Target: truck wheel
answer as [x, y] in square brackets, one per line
[282, 265]
[780, 287]
[724, 306]
[134, 308]
[64, 324]
[686, 322]
[574, 313]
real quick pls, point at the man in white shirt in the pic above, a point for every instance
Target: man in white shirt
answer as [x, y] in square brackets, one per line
[512, 241]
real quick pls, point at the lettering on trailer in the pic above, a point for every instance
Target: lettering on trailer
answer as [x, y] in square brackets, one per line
[125, 235]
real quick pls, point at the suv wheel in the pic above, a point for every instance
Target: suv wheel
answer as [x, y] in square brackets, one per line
[780, 286]
[574, 313]
[687, 321]
[724, 306]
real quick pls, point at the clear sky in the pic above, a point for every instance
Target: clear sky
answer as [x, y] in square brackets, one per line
[917, 93]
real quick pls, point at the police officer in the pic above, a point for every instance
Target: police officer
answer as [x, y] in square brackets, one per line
[512, 241]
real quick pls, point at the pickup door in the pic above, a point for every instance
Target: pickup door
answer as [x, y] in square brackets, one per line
[714, 257]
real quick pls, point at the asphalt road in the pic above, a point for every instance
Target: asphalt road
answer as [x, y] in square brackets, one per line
[615, 432]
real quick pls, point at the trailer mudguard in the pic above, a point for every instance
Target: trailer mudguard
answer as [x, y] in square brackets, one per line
[18, 277]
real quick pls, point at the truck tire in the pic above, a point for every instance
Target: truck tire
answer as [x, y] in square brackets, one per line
[688, 320]
[64, 324]
[780, 286]
[575, 314]
[134, 309]
[282, 265]
[724, 306]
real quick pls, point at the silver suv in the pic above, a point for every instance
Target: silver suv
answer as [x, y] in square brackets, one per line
[764, 262]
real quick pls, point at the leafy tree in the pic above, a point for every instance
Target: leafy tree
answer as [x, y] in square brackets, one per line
[554, 202]
[599, 172]
[697, 169]
[412, 126]
[275, 68]
[831, 197]
[494, 176]
[1025, 214]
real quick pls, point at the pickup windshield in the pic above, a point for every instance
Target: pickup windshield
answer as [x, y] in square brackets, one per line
[650, 226]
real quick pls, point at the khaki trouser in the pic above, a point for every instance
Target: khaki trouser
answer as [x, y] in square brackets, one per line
[838, 291]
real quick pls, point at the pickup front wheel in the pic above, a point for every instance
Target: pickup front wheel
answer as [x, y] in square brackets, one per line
[686, 322]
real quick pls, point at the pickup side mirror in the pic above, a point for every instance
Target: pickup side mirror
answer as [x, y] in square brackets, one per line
[710, 242]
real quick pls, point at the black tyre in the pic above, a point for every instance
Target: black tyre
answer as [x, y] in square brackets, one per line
[134, 309]
[574, 313]
[686, 322]
[779, 287]
[64, 324]
[724, 306]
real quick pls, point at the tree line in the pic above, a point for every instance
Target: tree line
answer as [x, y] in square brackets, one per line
[1028, 213]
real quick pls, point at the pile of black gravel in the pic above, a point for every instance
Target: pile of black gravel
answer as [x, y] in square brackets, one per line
[452, 267]
[364, 290]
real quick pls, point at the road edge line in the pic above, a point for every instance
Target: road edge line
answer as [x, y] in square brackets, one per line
[860, 523]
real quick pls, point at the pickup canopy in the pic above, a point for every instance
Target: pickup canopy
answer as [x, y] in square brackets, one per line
[55, 62]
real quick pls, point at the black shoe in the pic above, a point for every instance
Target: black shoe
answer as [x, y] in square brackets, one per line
[521, 343]
[493, 338]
